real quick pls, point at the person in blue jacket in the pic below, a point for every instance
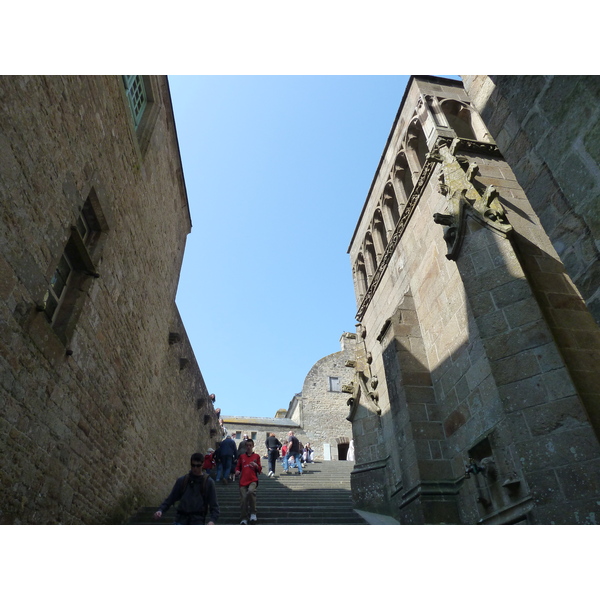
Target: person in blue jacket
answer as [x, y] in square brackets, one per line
[227, 455]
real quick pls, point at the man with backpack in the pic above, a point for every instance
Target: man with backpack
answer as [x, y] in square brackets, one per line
[196, 494]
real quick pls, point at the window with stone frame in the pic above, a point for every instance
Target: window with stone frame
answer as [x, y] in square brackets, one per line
[74, 272]
[135, 90]
[140, 93]
[335, 384]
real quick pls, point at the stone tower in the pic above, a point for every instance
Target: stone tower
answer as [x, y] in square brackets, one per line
[466, 406]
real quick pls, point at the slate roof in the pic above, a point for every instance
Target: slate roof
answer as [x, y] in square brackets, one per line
[261, 421]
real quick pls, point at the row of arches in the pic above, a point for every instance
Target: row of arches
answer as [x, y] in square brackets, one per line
[431, 116]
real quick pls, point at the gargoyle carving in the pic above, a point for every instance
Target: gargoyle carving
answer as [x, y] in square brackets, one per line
[455, 182]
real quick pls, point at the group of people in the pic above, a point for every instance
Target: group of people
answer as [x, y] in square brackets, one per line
[196, 491]
[291, 454]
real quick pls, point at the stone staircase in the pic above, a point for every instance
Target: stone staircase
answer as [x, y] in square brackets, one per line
[320, 496]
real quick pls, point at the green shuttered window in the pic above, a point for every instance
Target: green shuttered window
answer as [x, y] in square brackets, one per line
[137, 96]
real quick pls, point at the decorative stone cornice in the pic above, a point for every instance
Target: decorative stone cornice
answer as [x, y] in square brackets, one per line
[409, 208]
[431, 162]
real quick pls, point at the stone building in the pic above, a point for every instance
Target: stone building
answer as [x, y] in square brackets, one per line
[475, 265]
[318, 414]
[101, 399]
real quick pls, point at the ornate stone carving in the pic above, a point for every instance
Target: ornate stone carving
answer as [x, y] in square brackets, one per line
[464, 200]
[363, 386]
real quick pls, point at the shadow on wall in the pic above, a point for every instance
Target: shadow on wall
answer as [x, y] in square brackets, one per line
[503, 397]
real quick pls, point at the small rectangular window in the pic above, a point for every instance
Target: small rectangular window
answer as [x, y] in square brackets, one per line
[75, 265]
[137, 96]
[58, 286]
[334, 384]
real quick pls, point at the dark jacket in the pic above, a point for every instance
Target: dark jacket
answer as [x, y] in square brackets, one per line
[227, 448]
[273, 443]
[195, 499]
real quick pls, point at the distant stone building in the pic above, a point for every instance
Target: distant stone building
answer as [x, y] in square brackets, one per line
[475, 396]
[318, 414]
[101, 399]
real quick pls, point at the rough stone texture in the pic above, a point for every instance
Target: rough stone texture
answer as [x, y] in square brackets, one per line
[548, 129]
[485, 360]
[98, 418]
[322, 413]
[317, 415]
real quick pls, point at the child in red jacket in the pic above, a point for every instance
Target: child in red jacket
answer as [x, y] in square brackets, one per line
[248, 467]
[210, 466]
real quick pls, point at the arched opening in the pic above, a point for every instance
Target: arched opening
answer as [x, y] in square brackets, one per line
[381, 239]
[361, 277]
[390, 204]
[371, 256]
[416, 149]
[402, 176]
[460, 118]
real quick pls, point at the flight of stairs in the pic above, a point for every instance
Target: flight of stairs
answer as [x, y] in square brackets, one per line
[320, 496]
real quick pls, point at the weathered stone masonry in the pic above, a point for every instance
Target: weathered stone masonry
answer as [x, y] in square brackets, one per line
[318, 414]
[470, 407]
[99, 410]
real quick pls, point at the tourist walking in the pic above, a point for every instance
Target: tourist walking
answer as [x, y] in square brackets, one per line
[242, 445]
[227, 456]
[293, 450]
[273, 448]
[248, 467]
[209, 465]
[196, 494]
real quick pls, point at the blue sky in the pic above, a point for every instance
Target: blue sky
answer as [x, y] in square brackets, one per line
[277, 170]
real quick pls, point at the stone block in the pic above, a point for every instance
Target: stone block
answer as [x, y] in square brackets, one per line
[419, 395]
[558, 449]
[522, 394]
[572, 319]
[478, 372]
[555, 415]
[511, 293]
[492, 324]
[456, 420]
[427, 430]
[545, 488]
[584, 512]
[482, 303]
[586, 359]
[526, 337]
[580, 482]
[517, 367]
[523, 312]
[435, 469]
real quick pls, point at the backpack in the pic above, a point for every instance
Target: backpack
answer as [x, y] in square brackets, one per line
[205, 478]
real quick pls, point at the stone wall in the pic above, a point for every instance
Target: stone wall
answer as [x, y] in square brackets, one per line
[100, 414]
[318, 415]
[548, 129]
[321, 412]
[465, 410]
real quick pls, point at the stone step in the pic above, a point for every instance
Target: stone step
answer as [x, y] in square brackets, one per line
[320, 496]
